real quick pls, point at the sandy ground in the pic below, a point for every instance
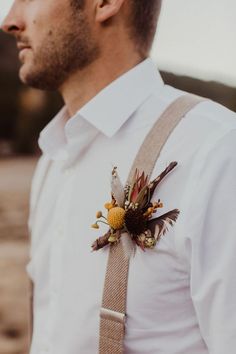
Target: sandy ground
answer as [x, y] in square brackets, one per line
[15, 177]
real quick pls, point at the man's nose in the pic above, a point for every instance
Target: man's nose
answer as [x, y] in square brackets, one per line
[12, 24]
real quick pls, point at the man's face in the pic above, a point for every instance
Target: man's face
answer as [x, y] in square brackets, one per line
[54, 40]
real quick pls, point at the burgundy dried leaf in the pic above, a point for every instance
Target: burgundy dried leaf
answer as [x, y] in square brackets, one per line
[139, 187]
[134, 193]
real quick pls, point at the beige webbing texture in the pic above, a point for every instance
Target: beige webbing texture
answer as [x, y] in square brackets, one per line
[112, 315]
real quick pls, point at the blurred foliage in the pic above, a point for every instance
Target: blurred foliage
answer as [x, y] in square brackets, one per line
[221, 93]
[32, 116]
[9, 86]
[25, 111]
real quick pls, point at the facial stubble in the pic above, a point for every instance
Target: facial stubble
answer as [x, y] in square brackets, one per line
[63, 52]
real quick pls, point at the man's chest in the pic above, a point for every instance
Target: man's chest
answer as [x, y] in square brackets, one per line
[63, 236]
[69, 278]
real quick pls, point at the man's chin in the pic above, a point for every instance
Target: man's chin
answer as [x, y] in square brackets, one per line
[37, 80]
[28, 76]
[24, 73]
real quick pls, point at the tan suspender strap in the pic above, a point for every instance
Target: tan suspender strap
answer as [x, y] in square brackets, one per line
[113, 311]
[160, 132]
[112, 315]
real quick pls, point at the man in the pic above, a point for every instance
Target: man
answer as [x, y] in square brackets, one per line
[181, 294]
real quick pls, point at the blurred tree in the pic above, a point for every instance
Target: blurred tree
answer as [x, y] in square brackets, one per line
[217, 92]
[35, 109]
[9, 86]
[23, 111]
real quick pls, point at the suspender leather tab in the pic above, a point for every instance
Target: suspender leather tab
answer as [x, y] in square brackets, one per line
[112, 315]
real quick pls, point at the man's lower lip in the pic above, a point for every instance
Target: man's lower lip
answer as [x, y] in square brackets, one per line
[22, 51]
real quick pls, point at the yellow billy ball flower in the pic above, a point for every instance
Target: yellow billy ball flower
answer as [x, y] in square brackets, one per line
[108, 206]
[95, 226]
[98, 214]
[115, 217]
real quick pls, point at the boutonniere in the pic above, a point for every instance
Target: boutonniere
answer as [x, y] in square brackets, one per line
[131, 211]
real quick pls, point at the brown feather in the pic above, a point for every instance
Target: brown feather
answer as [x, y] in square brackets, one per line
[152, 185]
[162, 222]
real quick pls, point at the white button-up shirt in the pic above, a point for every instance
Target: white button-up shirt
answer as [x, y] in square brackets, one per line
[182, 294]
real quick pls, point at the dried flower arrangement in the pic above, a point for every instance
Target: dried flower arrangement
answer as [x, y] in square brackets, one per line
[131, 211]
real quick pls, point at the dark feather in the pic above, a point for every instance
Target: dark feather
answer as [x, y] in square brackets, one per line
[159, 226]
[152, 185]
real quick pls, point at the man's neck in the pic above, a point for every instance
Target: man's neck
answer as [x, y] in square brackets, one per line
[83, 85]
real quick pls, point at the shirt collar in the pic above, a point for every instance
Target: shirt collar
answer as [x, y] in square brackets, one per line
[111, 108]
[106, 112]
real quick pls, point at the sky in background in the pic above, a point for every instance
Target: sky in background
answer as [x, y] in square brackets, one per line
[195, 38]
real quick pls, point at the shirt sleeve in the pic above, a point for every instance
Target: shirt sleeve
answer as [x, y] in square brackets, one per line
[34, 194]
[212, 246]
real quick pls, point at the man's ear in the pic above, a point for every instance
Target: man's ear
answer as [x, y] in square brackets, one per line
[106, 9]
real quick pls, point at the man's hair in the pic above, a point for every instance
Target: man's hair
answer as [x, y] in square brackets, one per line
[143, 23]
